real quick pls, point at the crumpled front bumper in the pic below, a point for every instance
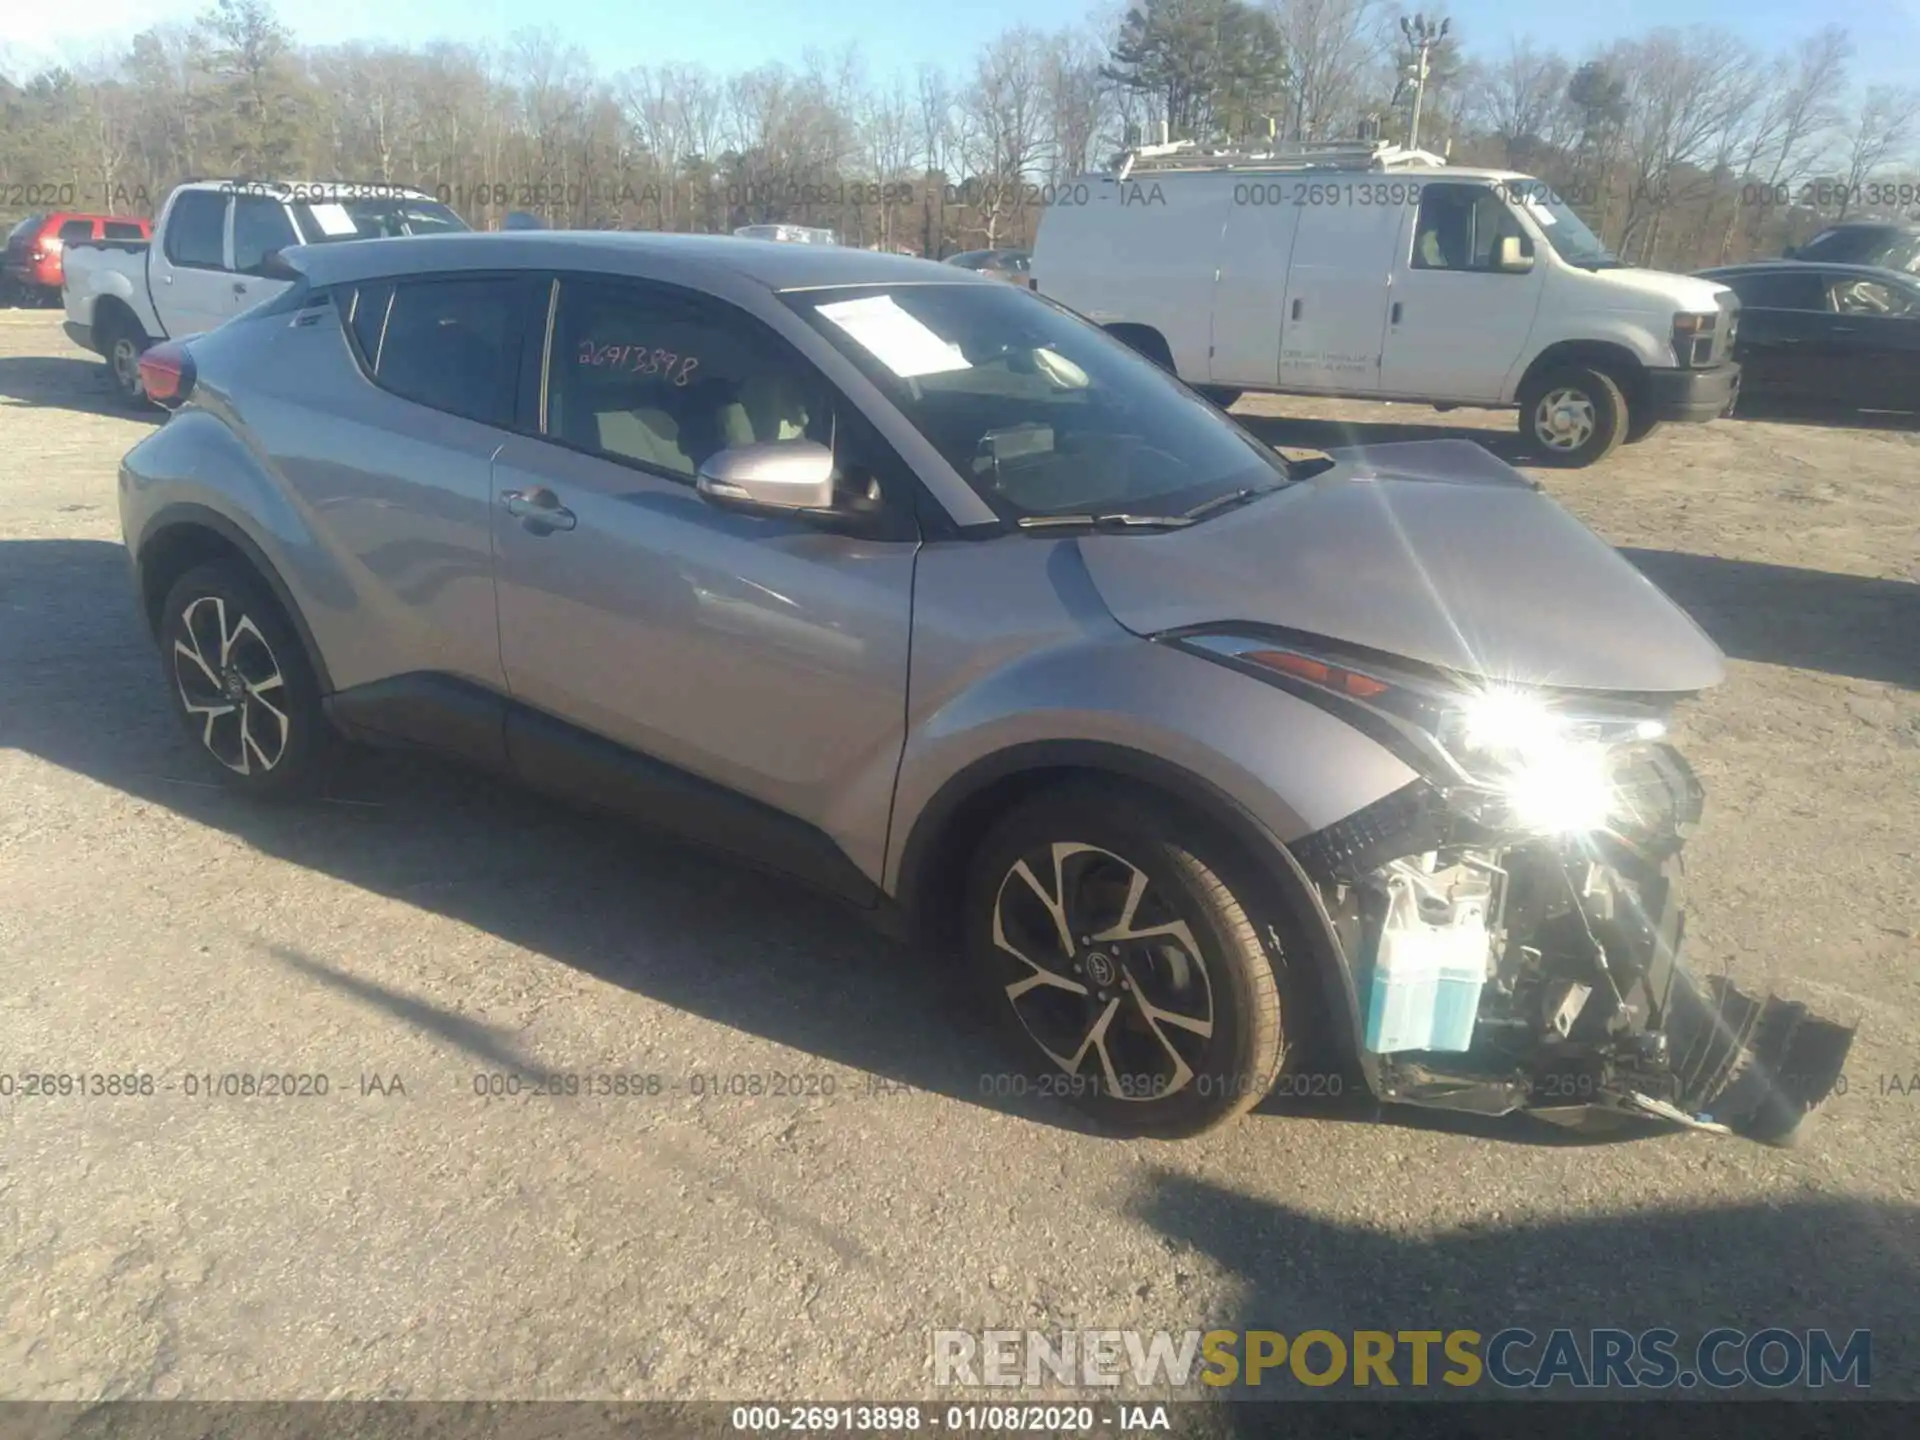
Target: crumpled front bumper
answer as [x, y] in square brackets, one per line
[1653, 1041]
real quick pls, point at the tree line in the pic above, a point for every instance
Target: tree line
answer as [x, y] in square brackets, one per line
[1682, 148]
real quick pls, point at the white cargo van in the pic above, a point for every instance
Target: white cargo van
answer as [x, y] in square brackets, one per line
[1386, 274]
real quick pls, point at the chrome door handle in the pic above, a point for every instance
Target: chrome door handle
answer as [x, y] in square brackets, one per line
[539, 510]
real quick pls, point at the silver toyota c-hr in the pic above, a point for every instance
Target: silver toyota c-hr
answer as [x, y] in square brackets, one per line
[1221, 772]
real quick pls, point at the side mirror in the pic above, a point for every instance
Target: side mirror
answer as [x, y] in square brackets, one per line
[769, 475]
[1512, 259]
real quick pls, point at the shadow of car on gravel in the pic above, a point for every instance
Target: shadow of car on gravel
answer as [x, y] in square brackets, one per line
[1811, 1262]
[81, 687]
[67, 382]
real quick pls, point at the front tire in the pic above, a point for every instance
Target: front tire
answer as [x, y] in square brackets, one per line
[241, 684]
[1119, 944]
[1573, 415]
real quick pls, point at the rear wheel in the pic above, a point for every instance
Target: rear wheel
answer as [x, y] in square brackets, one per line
[1221, 397]
[1121, 948]
[240, 682]
[1573, 415]
[123, 344]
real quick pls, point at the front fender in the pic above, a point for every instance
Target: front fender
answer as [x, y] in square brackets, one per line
[1264, 767]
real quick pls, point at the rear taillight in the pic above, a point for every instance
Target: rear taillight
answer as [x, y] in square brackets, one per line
[166, 373]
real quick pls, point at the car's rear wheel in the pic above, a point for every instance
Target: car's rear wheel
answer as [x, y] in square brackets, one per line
[1219, 396]
[1573, 415]
[241, 684]
[123, 346]
[1121, 947]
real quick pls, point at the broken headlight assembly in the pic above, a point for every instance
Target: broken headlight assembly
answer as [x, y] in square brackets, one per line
[1512, 919]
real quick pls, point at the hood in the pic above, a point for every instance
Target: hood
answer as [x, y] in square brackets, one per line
[1433, 551]
[1631, 288]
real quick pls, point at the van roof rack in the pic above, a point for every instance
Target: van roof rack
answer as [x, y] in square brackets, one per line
[1290, 155]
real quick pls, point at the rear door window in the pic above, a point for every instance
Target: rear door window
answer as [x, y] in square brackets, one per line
[260, 226]
[449, 343]
[76, 230]
[197, 230]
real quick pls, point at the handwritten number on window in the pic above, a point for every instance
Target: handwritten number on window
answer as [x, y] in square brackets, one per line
[639, 360]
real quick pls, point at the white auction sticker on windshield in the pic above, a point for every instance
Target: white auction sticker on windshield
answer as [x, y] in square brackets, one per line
[333, 219]
[896, 339]
[1538, 210]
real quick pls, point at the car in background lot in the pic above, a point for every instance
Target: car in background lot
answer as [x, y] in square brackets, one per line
[1005, 264]
[212, 256]
[1376, 272]
[34, 267]
[1826, 336]
[915, 586]
[1886, 244]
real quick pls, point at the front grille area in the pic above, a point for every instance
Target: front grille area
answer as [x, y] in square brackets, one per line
[1410, 821]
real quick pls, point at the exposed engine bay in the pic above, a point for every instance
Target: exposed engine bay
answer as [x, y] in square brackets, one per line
[1500, 971]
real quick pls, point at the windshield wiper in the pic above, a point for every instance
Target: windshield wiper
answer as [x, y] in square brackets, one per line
[1115, 521]
[1230, 499]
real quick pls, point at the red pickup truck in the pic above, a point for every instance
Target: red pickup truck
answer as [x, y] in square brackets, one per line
[33, 270]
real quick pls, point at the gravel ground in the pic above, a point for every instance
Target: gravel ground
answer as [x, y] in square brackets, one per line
[419, 928]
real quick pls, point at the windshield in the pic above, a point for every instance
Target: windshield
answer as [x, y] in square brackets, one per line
[1041, 412]
[1572, 241]
[373, 218]
[1862, 245]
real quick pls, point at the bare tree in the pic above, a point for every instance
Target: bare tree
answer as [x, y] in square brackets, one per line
[1518, 100]
[1799, 109]
[1336, 50]
[1882, 132]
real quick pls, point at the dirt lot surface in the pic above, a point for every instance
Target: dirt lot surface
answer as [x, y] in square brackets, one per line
[422, 928]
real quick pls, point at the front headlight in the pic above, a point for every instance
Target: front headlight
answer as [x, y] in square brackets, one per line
[1509, 757]
[1555, 774]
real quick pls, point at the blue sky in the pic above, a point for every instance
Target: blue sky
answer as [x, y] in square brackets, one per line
[728, 35]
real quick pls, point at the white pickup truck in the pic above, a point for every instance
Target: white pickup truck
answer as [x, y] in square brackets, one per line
[212, 256]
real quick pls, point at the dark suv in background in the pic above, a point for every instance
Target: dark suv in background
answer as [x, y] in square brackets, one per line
[1887, 245]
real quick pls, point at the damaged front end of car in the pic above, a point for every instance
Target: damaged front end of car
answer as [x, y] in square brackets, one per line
[1512, 921]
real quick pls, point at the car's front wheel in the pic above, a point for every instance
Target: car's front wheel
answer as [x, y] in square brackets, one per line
[241, 684]
[1123, 950]
[1575, 415]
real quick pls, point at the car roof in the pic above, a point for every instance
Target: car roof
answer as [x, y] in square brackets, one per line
[772, 264]
[1786, 267]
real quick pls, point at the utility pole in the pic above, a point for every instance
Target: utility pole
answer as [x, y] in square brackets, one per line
[1422, 34]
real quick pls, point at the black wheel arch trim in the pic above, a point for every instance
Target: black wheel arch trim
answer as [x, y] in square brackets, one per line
[917, 888]
[186, 515]
[1628, 370]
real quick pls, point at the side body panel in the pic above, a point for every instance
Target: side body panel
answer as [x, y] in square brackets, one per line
[374, 511]
[1456, 334]
[1143, 253]
[760, 653]
[189, 298]
[1250, 286]
[1337, 287]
